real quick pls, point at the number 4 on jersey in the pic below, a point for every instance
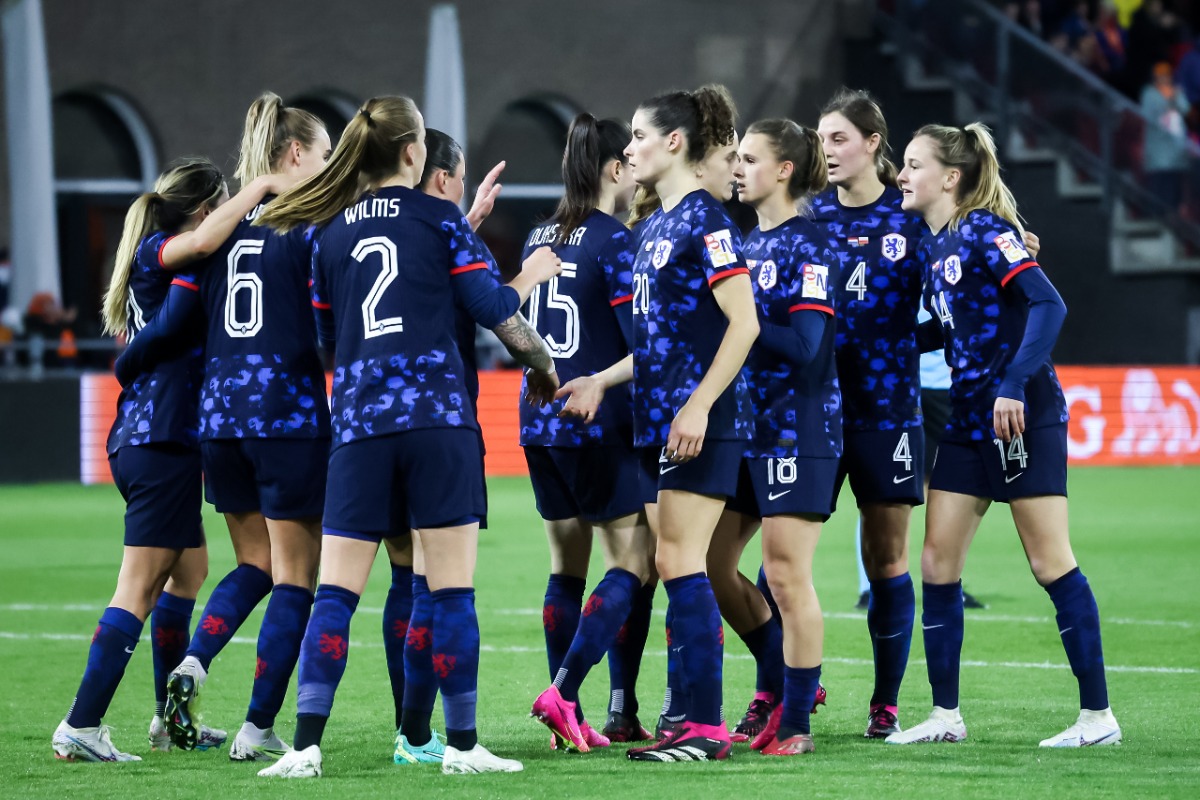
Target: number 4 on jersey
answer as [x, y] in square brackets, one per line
[858, 280]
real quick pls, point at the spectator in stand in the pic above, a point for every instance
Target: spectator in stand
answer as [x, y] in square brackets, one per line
[46, 318]
[1187, 74]
[1153, 33]
[1110, 38]
[1164, 150]
[1077, 25]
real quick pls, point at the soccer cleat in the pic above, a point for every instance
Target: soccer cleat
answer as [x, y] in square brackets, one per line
[753, 721]
[796, 745]
[692, 742]
[593, 738]
[864, 601]
[256, 745]
[304, 763]
[1092, 729]
[819, 698]
[160, 738]
[559, 716]
[767, 734]
[477, 759]
[182, 712]
[666, 727]
[86, 744]
[971, 601]
[431, 752]
[882, 722]
[625, 728]
[943, 725]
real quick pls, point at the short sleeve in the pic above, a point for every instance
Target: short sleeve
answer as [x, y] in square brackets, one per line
[616, 261]
[467, 251]
[1004, 250]
[720, 245]
[812, 283]
[149, 252]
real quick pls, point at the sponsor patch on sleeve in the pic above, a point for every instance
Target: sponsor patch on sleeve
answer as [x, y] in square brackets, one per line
[1011, 246]
[720, 248]
[816, 282]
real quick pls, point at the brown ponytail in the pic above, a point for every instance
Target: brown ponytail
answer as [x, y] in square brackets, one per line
[801, 146]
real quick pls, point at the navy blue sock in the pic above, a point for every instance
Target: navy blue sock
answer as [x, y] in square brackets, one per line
[675, 701]
[397, 610]
[170, 631]
[323, 655]
[112, 644]
[279, 641]
[560, 617]
[1079, 627]
[420, 682]
[799, 686]
[456, 662]
[698, 634]
[230, 603]
[942, 623]
[606, 609]
[765, 588]
[890, 614]
[765, 643]
[625, 655]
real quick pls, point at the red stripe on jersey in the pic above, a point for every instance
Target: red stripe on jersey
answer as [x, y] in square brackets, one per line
[162, 247]
[322, 306]
[469, 268]
[810, 307]
[1014, 273]
[729, 273]
[625, 298]
[185, 284]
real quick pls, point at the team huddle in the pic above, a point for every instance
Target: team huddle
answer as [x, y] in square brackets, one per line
[685, 387]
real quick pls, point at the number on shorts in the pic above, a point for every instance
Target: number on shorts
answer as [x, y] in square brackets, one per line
[388, 272]
[1016, 451]
[243, 282]
[858, 280]
[902, 453]
[561, 302]
[781, 470]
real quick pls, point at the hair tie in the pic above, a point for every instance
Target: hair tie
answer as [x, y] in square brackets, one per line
[366, 115]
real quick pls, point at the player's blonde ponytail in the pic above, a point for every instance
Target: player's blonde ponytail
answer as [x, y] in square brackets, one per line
[972, 151]
[270, 127]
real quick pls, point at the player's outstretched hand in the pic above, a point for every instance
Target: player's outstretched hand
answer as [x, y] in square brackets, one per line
[485, 197]
[1008, 418]
[540, 387]
[542, 265]
[1032, 243]
[686, 437]
[584, 395]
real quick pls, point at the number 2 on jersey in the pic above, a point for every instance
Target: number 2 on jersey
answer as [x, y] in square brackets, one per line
[389, 269]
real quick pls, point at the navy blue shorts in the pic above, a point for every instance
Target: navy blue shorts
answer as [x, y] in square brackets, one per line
[282, 478]
[883, 466]
[775, 487]
[161, 487]
[714, 472]
[482, 480]
[935, 410]
[596, 483]
[1032, 465]
[382, 486]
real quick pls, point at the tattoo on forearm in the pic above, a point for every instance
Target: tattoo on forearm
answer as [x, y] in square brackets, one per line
[523, 343]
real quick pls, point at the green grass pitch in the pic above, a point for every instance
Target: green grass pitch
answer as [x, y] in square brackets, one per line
[1136, 533]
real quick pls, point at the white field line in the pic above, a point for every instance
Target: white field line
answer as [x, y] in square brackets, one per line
[972, 617]
[854, 662]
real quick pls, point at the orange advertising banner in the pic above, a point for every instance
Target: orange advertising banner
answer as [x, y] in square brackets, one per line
[1119, 416]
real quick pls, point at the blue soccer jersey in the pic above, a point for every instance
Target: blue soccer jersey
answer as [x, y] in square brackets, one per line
[879, 294]
[159, 406]
[678, 325]
[579, 314]
[797, 411]
[984, 323]
[387, 271]
[262, 377]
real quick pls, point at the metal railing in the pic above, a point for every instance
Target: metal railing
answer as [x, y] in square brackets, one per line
[1029, 87]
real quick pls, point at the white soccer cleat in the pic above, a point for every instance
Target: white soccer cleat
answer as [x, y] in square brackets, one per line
[86, 744]
[943, 725]
[304, 763]
[257, 744]
[477, 759]
[1093, 728]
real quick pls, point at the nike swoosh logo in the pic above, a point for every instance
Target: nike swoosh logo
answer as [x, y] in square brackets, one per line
[901, 633]
[773, 496]
[930, 627]
[1013, 478]
[668, 469]
[1065, 630]
[129, 650]
[1084, 743]
[898, 479]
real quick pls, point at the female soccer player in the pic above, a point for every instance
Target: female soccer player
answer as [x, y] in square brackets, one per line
[694, 323]
[264, 429]
[587, 475]
[791, 463]
[152, 447]
[1006, 440]
[387, 264]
